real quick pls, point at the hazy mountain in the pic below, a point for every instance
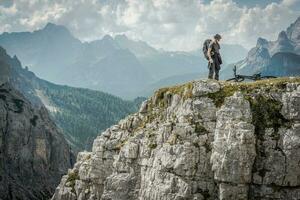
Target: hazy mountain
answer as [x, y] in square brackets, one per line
[279, 57]
[55, 55]
[139, 48]
[45, 51]
[81, 113]
[116, 65]
[257, 58]
[125, 71]
[283, 64]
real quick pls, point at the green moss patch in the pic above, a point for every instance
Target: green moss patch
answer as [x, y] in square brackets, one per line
[73, 176]
[219, 97]
[152, 145]
[156, 108]
[185, 91]
[266, 114]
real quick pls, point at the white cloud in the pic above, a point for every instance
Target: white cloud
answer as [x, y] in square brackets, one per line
[289, 2]
[168, 24]
[44, 15]
[8, 11]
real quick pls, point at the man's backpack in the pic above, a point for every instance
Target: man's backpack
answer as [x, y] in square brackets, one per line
[205, 48]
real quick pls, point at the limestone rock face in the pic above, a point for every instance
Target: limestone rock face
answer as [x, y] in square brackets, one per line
[234, 148]
[33, 153]
[204, 140]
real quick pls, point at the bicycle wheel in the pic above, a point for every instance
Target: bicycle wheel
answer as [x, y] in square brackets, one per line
[239, 79]
[267, 77]
[231, 79]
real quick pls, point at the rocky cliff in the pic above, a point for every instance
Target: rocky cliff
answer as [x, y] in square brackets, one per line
[202, 140]
[33, 153]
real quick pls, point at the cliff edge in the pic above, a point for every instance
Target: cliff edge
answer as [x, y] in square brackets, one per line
[202, 140]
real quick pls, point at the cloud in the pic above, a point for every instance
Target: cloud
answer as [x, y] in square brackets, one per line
[45, 14]
[168, 24]
[290, 2]
[7, 10]
[245, 25]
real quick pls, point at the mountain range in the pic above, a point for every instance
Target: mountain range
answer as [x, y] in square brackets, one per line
[81, 113]
[278, 58]
[118, 65]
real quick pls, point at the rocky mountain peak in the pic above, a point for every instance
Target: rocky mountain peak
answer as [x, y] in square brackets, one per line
[201, 140]
[261, 42]
[59, 33]
[122, 37]
[108, 38]
[257, 58]
[293, 31]
[283, 44]
[51, 27]
[282, 36]
[108, 42]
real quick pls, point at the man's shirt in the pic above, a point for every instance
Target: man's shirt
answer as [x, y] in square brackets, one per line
[214, 46]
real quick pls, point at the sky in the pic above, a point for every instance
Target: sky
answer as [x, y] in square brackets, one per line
[169, 24]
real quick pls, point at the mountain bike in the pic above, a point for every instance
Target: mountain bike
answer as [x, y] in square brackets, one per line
[254, 77]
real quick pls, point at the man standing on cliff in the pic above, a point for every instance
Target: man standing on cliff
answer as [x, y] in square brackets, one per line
[214, 57]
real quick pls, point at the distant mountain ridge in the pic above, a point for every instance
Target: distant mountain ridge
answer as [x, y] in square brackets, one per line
[118, 65]
[283, 64]
[280, 57]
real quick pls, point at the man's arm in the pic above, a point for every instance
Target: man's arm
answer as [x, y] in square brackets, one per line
[209, 55]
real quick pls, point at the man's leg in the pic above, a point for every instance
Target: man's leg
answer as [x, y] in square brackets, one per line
[211, 70]
[217, 69]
